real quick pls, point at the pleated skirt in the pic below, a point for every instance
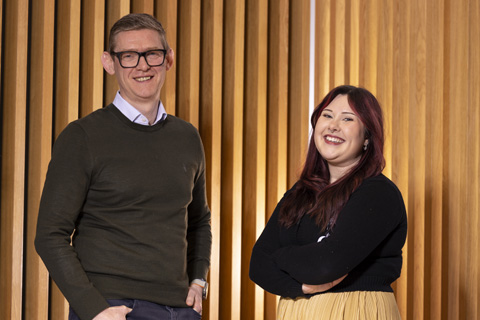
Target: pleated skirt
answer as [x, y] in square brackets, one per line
[355, 305]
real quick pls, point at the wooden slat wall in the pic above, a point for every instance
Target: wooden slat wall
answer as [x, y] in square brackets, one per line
[241, 77]
[14, 105]
[40, 140]
[420, 58]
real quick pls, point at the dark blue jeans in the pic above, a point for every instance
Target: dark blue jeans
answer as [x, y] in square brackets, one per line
[144, 310]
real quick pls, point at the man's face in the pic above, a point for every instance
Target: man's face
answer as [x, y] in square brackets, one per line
[140, 85]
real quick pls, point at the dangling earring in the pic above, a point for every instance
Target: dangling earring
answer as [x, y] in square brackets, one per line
[365, 147]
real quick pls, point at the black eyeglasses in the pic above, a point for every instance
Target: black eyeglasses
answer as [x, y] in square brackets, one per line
[130, 59]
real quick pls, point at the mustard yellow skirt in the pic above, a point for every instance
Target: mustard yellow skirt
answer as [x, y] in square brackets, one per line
[355, 305]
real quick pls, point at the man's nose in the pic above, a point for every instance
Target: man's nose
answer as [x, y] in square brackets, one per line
[142, 63]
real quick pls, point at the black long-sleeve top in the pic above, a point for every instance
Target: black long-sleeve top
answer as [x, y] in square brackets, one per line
[365, 243]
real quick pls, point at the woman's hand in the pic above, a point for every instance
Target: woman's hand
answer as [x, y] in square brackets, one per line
[316, 288]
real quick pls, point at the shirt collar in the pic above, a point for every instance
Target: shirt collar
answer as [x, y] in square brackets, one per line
[133, 114]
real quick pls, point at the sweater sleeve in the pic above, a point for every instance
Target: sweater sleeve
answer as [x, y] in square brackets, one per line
[372, 214]
[264, 271]
[199, 235]
[64, 193]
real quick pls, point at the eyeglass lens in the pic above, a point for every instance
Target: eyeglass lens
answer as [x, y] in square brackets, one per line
[130, 59]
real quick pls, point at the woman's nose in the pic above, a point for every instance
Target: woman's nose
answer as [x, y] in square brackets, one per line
[333, 126]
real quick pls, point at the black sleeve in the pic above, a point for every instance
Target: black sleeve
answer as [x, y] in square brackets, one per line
[372, 213]
[199, 234]
[64, 193]
[263, 269]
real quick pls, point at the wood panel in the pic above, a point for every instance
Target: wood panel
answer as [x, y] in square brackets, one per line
[400, 127]
[368, 24]
[472, 294]
[352, 39]
[323, 34]
[472, 221]
[211, 132]
[143, 6]
[435, 304]
[384, 76]
[338, 42]
[92, 40]
[166, 12]
[254, 160]
[1, 32]
[67, 69]
[114, 10]
[417, 141]
[188, 61]
[13, 157]
[277, 116]
[458, 96]
[39, 144]
[232, 155]
[298, 123]
[67, 97]
[241, 76]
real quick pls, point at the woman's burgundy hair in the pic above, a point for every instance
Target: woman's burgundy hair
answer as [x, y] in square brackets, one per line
[313, 194]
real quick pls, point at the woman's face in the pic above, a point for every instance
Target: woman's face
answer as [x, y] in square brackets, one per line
[340, 135]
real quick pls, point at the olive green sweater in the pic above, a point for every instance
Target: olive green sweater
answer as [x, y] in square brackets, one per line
[135, 197]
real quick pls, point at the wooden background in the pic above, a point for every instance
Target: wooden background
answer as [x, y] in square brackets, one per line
[241, 76]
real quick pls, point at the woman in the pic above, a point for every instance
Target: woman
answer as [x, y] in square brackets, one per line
[333, 245]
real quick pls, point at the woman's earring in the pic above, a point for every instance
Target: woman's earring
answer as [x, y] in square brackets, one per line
[365, 147]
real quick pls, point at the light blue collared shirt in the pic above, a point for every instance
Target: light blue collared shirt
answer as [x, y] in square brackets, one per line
[133, 114]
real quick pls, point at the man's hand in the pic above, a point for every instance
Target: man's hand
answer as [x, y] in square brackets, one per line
[316, 288]
[194, 297]
[113, 313]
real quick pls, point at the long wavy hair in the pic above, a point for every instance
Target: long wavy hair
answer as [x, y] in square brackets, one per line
[314, 195]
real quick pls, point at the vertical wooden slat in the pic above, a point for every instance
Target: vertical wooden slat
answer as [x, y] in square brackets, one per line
[114, 10]
[474, 162]
[419, 57]
[278, 49]
[385, 76]
[142, 6]
[434, 284]
[232, 155]
[188, 61]
[166, 12]
[298, 115]
[353, 42]
[92, 39]
[211, 132]
[67, 70]
[67, 63]
[338, 43]
[400, 150]
[40, 142]
[323, 35]
[369, 17]
[13, 158]
[1, 33]
[254, 161]
[472, 269]
[417, 165]
[458, 88]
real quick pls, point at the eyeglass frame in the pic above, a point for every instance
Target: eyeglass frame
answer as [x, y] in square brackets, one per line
[140, 54]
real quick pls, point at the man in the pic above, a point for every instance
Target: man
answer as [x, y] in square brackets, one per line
[128, 182]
